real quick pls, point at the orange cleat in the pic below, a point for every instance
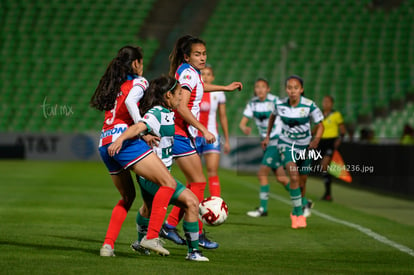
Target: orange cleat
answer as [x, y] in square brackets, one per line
[301, 222]
[294, 220]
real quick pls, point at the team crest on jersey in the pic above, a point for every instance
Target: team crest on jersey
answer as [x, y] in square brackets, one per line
[187, 77]
[302, 112]
[146, 116]
[144, 81]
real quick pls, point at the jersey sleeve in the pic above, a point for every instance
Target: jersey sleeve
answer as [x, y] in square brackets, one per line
[248, 112]
[221, 98]
[134, 96]
[274, 111]
[339, 118]
[153, 121]
[188, 79]
[315, 113]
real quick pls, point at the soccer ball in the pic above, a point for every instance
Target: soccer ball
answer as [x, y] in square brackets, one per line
[213, 211]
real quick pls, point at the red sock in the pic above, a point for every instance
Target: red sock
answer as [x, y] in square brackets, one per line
[175, 216]
[214, 186]
[198, 190]
[159, 209]
[119, 214]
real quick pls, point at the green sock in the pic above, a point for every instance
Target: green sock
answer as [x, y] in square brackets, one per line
[191, 234]
[142, 226]
[287, 187]
[304, 201]
[264, 196]
[296, 198]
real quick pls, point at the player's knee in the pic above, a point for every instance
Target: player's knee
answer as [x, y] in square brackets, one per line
[128, 200]
[192, 203]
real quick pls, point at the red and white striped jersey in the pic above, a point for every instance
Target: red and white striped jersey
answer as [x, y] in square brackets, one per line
[125, 111]
[208, 111]
[190, 78]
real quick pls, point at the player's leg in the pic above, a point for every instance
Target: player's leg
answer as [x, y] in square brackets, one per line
[327, 177]
[262, 175]
[212, 160]
[123, 182]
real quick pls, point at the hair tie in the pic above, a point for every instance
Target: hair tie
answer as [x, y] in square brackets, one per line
[172, 88]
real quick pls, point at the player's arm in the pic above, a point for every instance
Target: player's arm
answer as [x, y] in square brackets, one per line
[189, 117]
[131, 132]
[228, 88]
[131, 102]
[266, 140]
[224, 126]
[317, 137]
[243, 126]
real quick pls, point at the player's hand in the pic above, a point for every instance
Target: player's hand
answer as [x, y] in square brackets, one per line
[210, 138]
[151, 140]
[247, 130]
[234, 86]
[226, 147]
[115, 147]
[314, 143]
[265, 142]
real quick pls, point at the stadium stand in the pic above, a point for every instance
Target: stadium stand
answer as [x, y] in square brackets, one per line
[53, 55]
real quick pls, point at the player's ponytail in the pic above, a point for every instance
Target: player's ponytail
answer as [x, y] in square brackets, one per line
[154, 95]
[181, 48]
[115, 75]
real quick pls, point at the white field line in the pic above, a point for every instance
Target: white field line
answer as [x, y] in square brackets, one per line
[358, 227]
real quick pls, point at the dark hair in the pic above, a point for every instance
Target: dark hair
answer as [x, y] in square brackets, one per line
[330, 98]
[182, 47]
[298, 78]
[115, 75]
[154, 95]
[262, 79]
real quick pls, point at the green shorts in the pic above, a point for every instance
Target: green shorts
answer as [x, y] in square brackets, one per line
[271, 157]
[304, 165]
[148, 190]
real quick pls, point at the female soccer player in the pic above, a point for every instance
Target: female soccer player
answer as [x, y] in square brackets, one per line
[259, 108]
[331, 139]
[210, 103]
[118, 93]
[187, 59]
[163, 95]
[295, 140]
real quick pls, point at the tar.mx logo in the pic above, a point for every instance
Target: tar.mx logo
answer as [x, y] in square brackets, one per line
[303, 154]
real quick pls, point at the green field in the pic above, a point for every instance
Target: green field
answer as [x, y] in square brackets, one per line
[54, 217]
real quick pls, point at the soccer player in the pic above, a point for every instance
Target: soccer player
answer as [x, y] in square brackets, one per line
[259, 108]
[163, 95]
[330, 141]
[118, 93]
[187, 59]
[295, 141]
[209, 105]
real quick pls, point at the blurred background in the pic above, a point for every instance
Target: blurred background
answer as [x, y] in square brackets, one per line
[54, 52]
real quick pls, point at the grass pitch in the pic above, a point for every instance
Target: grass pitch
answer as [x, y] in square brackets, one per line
[54, 216]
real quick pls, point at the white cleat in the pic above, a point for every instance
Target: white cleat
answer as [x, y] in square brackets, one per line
[154, 245]
[107, 251]
[307, 209]
[258, 212]
[196, 256]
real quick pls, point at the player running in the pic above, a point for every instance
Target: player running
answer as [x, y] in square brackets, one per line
[295, 140]
[118, 93]
[210, 104]
[187, 59]
[163, 95]
[260, 108]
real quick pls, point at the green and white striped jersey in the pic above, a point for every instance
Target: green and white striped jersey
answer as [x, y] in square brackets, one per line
[260, 111]
[160, 122]
[296, 126]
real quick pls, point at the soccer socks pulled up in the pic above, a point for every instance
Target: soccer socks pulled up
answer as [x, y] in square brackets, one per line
[214, 186]
[142, 226]
[159, 209]
[296, 197]
[287, 187]
[118, 216]
[191, 234]
[264, 196]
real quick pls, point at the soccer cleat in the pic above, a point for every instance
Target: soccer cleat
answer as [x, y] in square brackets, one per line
[172, 235]
[259, 212]
[204, 242]
[294, 220]
[107, 251]
[154, 245]
[197, 256]
[301, 222]
[327, 198]
[307, 209]
[138, 248]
